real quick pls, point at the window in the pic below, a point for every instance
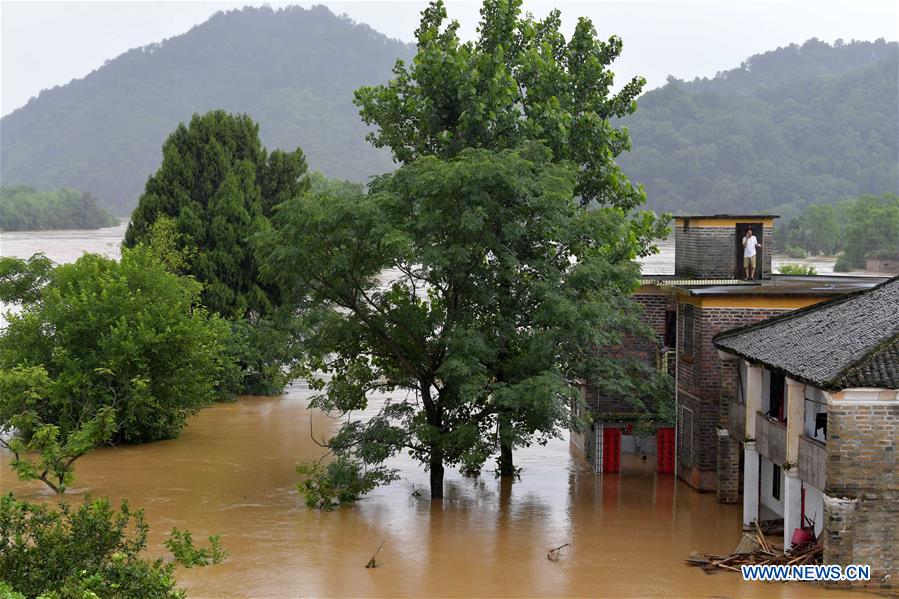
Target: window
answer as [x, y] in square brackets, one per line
[775, 481]
[687, 333]
[776, 397]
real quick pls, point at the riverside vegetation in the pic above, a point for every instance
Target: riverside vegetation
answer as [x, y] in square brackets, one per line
[22, 208]
[510, 230]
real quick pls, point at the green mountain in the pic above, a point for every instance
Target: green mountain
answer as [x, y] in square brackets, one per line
[798, 125]
[293, 70]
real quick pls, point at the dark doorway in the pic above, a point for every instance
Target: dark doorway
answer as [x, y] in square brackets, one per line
[758, 231]
[671, 329]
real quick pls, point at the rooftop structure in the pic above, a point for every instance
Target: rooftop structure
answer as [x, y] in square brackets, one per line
[849, 341]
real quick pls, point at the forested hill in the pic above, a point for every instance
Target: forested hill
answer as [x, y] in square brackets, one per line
[802, 124]
[292, 70]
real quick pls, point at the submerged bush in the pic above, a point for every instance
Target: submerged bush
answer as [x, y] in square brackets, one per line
[121, 333]
[89, 551]
[342, 481]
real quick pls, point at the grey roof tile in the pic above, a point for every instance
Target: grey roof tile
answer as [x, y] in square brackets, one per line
[850, 341]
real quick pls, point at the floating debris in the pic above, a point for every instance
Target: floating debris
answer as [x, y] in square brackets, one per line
[755, 549]
[554, 554]
[372, 563]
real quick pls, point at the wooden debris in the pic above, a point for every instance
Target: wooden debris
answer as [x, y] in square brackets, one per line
[554, 554]
[755, 549]
[372, 563]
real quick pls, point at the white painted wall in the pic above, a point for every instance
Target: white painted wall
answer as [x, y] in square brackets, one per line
[766, 391]
[814, 506]
[815, 403]
[766, 487]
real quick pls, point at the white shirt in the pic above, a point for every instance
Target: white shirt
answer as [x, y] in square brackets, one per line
[749, 246]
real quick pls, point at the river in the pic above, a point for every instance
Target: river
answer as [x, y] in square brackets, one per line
[231, 472]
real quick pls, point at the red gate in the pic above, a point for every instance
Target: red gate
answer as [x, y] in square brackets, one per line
[665, 450]
[611, 450]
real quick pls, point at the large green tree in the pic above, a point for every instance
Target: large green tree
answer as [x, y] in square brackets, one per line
[520, 81]
[472, 287]
[219, 186]
[100, 333]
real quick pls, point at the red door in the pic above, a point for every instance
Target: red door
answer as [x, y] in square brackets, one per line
[665, 450]
[611, 450]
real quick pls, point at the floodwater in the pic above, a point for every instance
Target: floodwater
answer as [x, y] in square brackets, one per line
[231, 472]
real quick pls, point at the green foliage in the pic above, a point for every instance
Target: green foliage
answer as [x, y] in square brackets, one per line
[800, 124]
[341, 481]
[75, 553]
[293, 69]
[519, 81]
[180, 543]
[797, 269]
[124, 334]
[21, 280]
[502, 291]
[797, 252]
[871, 229]
[215, 190]
[219, 185]
[23, 390]
[24, 209]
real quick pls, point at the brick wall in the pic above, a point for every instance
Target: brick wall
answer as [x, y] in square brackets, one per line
[699, 388]
[654, 305]
[861, 509]
[729, 449]
[710, 252]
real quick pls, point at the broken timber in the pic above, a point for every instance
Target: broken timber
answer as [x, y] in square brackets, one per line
[372, 563]
[755, 550]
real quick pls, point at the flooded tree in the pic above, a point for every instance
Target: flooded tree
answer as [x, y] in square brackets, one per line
[468, 288]
[521, 80]
[219, 185]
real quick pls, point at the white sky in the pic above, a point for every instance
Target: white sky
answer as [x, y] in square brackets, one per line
[44, 44]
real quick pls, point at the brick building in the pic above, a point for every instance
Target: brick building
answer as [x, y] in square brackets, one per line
[810, 403]
[705, 296]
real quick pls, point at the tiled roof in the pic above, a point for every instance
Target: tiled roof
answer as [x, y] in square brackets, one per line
[850, 341]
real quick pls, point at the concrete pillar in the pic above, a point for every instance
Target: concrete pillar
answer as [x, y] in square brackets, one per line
[753, 398]
[750, 484]
[795, 420]
[792, 504]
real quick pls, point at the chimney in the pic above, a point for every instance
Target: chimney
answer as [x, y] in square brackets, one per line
[710, 247]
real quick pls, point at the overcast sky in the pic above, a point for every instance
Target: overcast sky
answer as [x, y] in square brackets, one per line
[44, 44]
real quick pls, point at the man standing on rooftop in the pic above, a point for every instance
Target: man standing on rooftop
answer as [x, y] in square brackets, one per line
[749, 244]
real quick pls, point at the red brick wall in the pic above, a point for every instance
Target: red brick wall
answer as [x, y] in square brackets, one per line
[655, 305]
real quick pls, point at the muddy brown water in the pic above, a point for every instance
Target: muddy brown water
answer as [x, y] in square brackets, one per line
[231, 472]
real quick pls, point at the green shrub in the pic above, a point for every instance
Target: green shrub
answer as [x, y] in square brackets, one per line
[126, 334]
[797, 252]
[797, 269]
[180, 543]
[341, 481]
[88, 551]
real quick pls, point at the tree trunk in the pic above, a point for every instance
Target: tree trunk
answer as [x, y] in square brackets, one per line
[436, 475]
[506, 464]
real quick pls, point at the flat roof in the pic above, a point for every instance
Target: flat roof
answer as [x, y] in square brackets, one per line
[782, 285]
[728, 216]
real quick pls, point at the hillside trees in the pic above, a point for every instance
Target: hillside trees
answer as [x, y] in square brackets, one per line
[219, 186]
[871, 229]
[22, 208]
[473, 286]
